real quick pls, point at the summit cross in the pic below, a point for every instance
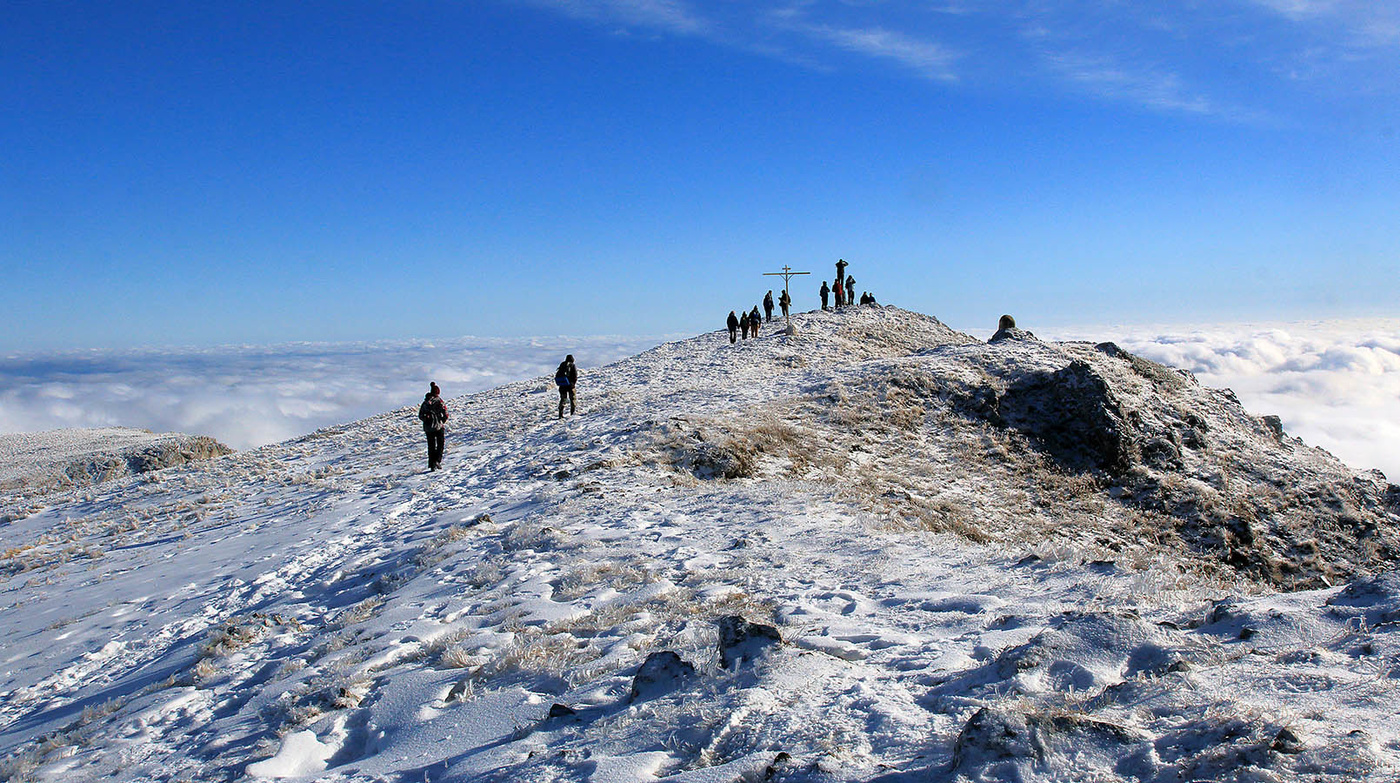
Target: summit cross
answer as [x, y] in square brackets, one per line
[787, 274]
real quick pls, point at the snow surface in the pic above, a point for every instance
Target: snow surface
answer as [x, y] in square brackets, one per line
[326, 608]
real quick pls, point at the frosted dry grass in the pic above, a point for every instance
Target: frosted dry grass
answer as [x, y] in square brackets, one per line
[533, 535]
[358, 613]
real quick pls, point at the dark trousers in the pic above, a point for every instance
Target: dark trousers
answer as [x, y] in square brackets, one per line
[733, 333]
[566, 394]
[768, 311]
[437, 444]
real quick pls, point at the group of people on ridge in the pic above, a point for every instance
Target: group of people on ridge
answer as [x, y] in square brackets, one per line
[748, 323]
[433, 411]
[844, 288]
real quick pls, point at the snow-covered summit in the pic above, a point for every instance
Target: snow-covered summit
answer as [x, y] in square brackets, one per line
[878, 550]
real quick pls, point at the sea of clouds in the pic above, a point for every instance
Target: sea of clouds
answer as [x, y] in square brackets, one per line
[1335, 384]
[250, 396]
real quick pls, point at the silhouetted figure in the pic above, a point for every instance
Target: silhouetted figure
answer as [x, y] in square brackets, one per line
[733, 324]
[433, 414]
[825, 292]
[850, 290]
[1006, 322]
[785, 301]
[841, 270]
[744, 325]
[566, 378]
[754, 320]
[768, 305]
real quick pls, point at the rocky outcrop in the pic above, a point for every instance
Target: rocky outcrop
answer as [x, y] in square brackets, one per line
[33, 465]
[1072, 414]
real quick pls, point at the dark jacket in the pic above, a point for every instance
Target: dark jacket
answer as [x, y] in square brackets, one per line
[569, 370]
[733, 322]
[433, 412]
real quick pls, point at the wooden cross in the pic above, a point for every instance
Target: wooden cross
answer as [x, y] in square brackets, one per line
[786, 274]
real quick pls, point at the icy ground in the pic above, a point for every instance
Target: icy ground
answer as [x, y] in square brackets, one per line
[327, 608]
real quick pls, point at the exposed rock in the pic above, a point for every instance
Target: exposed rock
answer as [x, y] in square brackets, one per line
[661, 673]
[1073, 415]
[995, 735]
[1012, 333]
[742, 641]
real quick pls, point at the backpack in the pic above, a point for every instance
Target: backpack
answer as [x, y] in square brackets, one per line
[562, 379]
[434, 414]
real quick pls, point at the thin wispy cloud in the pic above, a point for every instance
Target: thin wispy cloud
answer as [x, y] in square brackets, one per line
[672, 16]
[1099, 75]
[1224, 60]
[927, 58]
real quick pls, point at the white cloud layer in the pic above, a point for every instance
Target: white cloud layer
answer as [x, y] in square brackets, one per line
[251, 396]
[1335, 384]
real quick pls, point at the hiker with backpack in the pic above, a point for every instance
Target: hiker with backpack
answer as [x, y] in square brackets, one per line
[733, 324]
[433, 414]
[768, 305]
[744, 324]
[566, 378]
[785, 301]
[754, 320]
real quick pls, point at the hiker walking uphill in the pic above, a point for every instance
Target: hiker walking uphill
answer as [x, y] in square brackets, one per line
[433, 414]
[566, 378]
[754, 320]
[768, 305]
[733, 324]
[744, 325]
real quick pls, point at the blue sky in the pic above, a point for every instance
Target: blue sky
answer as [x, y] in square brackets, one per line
[189, 173]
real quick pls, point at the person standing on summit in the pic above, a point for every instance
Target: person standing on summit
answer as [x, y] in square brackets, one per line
[768, 305]
[433, 414]
[733, 324]
[825, 292]
[839, 286]
[566, 378]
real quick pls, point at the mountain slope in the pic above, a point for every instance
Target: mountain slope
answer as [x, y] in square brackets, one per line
[1001, 561]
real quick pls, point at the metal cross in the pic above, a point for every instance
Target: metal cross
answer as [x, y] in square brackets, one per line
[786, 274]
